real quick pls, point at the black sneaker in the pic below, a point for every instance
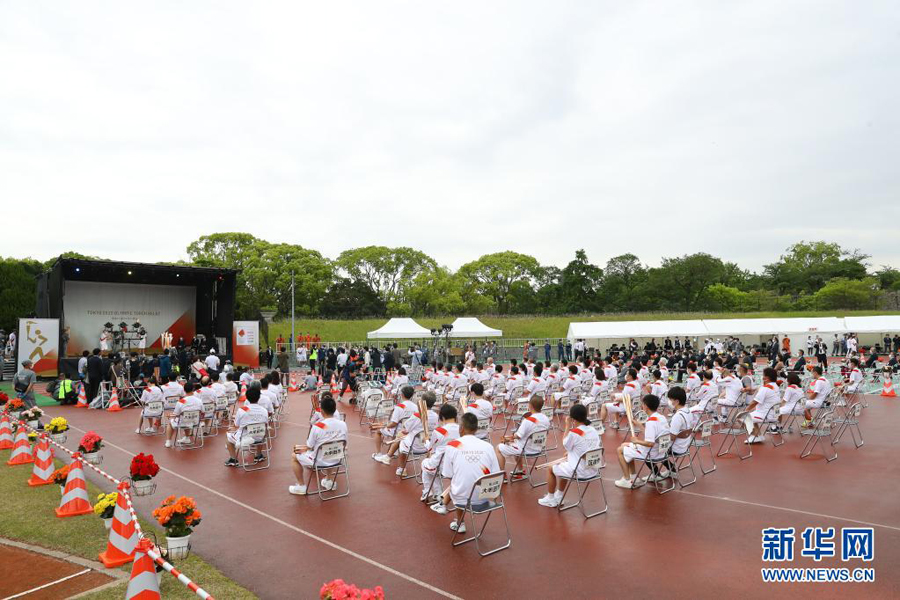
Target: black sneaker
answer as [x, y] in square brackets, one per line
[258, 458]
[231, 463]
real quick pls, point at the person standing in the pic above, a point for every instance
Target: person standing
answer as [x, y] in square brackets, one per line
[547, 350]
[269, 356]
[23, 383]
[94, 374]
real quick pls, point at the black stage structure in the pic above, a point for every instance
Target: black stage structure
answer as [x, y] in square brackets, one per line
[215, 291]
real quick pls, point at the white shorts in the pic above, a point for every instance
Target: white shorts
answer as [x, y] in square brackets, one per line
[388, 433]
[760, 413]
[615, 407]
[430, 464]
[512, 449]
[306, 460]
[566, 471]
[633, 451]
[147, 415]
[406, 444]
[795, 409]
[814, 403]
[726, 402]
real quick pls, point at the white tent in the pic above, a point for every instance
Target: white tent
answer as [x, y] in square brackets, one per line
[396, 329]
[879, 324]
[624, 330]
[809, 326]
[468, 327]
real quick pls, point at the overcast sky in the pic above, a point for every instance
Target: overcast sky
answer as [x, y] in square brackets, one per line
[128, 130]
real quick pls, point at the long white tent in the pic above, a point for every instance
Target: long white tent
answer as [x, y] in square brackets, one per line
[811, 326]
[397, 329]
[468, 327]
[635, 329]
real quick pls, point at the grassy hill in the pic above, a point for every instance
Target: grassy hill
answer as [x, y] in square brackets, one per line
[524, 326]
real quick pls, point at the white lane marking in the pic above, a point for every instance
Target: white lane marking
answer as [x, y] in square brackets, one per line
[308, 534]
[46, 585]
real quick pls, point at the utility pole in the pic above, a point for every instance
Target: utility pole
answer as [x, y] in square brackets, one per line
[293, 337]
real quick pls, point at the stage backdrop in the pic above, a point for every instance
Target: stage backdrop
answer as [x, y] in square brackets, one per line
[245, 344]
[87, 305]
[39, 343]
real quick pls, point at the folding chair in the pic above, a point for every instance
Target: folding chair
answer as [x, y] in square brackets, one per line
[222, 411]
[498, 412]
[663, 444]
[548, 412]
[253, 442]
[821, 429]
[414, 458]
[211, 428]
[731, 434]
[485, 498]
[367, 407]
[521, 407]
[152, 410]
[592, 459]
[704, 428]
[189, 421]
[850, 421]
[537, 438]
[334, 453]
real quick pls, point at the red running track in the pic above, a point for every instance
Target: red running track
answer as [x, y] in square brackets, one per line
[702, 542]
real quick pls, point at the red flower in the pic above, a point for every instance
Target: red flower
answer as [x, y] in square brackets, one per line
[143, 467]
[91, 442]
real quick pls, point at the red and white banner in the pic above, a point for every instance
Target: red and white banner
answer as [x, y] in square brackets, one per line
[88, 305]
[245, 344]
[39, 343]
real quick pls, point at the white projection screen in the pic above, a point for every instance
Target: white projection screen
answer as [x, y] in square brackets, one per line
[87, 305]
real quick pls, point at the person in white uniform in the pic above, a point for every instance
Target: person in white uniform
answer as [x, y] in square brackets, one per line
[412, 427]
[617, 405]
[248, 414]
[817, 394]
[327, 430]
[762, 407]
[188, 402]
[149, 394]
[682, 423]
[466, 460]
[637, 449]
[446, 431]
[580, 439]
[792, 403]
[482, 409]
[511, 446]
[402, 411]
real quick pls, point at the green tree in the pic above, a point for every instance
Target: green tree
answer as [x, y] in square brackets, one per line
[621, 278]
[17, 290]
[683, 280]
[725, 298]
[580, 283]
[435, 292]
[352, 299]
[888, 278]
[502, 277]
[850, 294]
[387, 271]
[807, 266]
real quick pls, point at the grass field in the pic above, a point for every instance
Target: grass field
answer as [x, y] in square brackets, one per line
[524, 327]
[26, 515]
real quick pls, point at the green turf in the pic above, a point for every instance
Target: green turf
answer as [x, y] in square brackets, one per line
[524, 327]
[41, 399]
[27, 515]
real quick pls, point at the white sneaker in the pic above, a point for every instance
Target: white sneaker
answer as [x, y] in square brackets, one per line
[328, 484]
[382, 458]
[297, 490]
[168, 444]
[149, 430]
[138, 430]
[550, 501]
[399, 471]
[184, 441]
[439, 508]
[458, 527]
[624, 483]
[601, 430]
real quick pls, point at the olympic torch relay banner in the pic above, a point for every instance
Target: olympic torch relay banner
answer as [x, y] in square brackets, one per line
[88, 305]
[39, 343]
[245, 344]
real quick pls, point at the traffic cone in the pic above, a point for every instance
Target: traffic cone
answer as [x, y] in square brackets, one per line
[888, 388]
[21, 453]
[82, 397]
[6, 438]
[292, 386]
[74, 500]
[143, 584]
[122, 535]
[43, 464]
[114, 402]
[334, 386]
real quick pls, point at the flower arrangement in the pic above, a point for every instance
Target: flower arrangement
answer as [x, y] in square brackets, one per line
[339, 590]
[59, 476]
[3, 398]
[91, 442]
[179, 517]
[32, 414]
[15, 404]
[57, 425]
[32, 435]
[143, 467]
[106, 505]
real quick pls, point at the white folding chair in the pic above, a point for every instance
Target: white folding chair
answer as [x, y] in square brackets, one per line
[537, 439]
[152, 410]
[485, 498]
[704, 429]
[331, 458]
[191, 423]
[253, 442]
[822, 427]
[662, 444]
[592, 459]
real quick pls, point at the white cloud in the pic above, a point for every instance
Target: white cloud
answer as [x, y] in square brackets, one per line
[127, 131]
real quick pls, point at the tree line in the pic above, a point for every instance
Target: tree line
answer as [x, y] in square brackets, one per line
[382, 281]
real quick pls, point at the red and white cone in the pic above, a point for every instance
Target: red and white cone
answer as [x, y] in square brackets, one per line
[334, 387]
[6, 438]
[21, 452]
[114, 402]
[82, 397]
[74, 501]
[888, 389]
[123, 536]
[143, 584]
[43, 464]
[292, 386]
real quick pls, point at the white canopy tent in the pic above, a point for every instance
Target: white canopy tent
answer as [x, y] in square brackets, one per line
[396, 329]
[624, 330]
[810, 326]
[878, 324]
[469, 327]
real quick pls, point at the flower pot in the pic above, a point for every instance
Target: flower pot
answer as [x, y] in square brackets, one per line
[107, 523]
[14, 415]
[92, 457]
[33, 424]
[143, 487]
[59, 438]
[178, 547]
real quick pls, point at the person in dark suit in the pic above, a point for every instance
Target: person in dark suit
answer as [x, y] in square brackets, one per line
[94, 373]
[801, 362]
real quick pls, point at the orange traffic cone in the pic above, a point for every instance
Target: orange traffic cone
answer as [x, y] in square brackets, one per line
[334, 387]
[114, 402]
[292, 386]
[6, 438]
[43, 464]
[143, 584]
[21, 453]
[82, 397]
[122, 535]
[74, 501]
[888, 388]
